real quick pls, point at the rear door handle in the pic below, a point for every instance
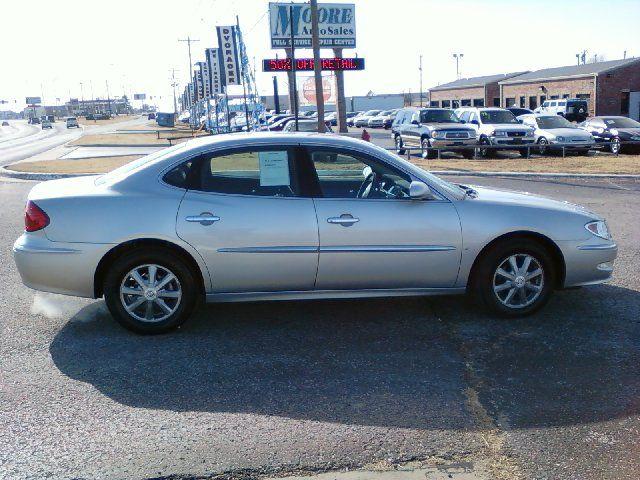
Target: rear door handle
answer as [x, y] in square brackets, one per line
[345, 220]
[205, 218]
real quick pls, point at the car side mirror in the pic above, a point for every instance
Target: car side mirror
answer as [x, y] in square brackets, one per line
[474, 122]
[415, 122]
[419, 190]
[463, 121]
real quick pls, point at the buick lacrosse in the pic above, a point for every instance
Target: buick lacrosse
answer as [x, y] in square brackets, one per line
[272, 216]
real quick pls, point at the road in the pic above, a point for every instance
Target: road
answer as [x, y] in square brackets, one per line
[271, 388]
[20, 140]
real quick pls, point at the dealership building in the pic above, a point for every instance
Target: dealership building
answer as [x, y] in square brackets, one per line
[610, 88]
[470, 92]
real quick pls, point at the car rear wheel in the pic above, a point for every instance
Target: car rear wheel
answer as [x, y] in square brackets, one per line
[150, 291]
[514, 278]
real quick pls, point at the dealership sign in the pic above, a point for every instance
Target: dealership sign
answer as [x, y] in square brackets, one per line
[306, 64]
[228, 46]
[213, 63]
[336, 22]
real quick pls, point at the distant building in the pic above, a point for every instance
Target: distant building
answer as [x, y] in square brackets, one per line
[470, 92]
[114, 106]
[611, 88]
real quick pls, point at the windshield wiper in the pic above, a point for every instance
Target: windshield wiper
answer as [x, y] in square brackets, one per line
[468, 191]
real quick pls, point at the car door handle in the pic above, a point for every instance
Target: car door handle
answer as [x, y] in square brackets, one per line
[344, 219]
[205, 218]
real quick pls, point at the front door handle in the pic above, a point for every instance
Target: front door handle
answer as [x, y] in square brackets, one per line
[205, 218]
[345, 220]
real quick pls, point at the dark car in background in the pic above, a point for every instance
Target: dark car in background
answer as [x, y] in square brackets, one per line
[517, 111]
[617, 132]
[432, 129]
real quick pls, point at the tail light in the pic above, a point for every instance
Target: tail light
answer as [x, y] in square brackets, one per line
[34, 217]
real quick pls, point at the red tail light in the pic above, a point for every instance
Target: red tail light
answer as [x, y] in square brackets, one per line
[34, 217]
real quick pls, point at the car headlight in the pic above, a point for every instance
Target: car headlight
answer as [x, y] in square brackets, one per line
[437, 134]
[499, 133]
[599, 229]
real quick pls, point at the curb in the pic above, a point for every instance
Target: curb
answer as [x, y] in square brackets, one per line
[461, 173]
[125, 145]
[41, 177]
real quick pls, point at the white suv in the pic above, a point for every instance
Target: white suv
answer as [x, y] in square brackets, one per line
[573, 109]
[497, 127]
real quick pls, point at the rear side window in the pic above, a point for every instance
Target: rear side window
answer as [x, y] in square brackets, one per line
[261, 172]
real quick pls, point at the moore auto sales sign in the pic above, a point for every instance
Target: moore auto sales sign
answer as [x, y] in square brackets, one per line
[336, 22]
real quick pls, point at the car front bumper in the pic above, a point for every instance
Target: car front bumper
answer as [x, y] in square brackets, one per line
[57, 267]
[588, 262]
[512, 141]
[451, 142]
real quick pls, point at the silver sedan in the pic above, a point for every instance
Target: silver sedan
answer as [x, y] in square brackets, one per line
[268, 216]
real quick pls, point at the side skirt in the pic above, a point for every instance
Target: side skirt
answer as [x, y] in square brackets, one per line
[327, 294]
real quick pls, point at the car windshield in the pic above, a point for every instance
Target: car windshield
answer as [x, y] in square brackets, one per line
[497, 116]
[372, 112]
[119, 173]
[386, 112]
[620, 122]
[555, 121]
[438, 116]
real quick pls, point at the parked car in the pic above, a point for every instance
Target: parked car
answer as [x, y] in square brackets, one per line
[332, 118]
[306, 125]
[46, 124]
[573, 109]
[274, 118]
[72, 122]
[497, 127]
[388, 119]
[351, 119]
[34, 120]
[5, 124]
[517, 111]
[553, 132]
[278, 125]
[617, 132]
[151, 116]
[432, 127]
[377, 121]
[363, 120]
[318, 229]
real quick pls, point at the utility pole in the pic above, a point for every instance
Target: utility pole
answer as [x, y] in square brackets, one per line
[293, 70]
[458, 57]
[189, 41]
[420, 68]
[174, 84]
[341, 104]
[317, 67]
[276, 97]
[82, 97]
[108, 96]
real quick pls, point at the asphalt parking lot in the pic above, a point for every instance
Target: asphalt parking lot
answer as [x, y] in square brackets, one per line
[303, 387]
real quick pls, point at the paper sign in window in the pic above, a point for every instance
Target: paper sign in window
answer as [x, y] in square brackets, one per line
[274, 169]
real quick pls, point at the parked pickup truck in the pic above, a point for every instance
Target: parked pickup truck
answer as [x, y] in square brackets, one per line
[432, 129]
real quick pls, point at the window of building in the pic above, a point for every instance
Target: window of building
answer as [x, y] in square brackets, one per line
[263, 172]
[533, 102]
[478, 102]
[566, 95]
[446, 103]
[510, 101]
[583, 96]
[466, 102]
[455, 103]
[434, 103]
[523, 102]
[496, 101]
[543, 98]
[624, 103]
[554, 97]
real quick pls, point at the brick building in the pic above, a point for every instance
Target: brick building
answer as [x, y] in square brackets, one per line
[608, 87]
[467, 92]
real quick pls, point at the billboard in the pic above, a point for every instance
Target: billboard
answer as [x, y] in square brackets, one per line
[139, 96]
[228, 47]
[213, 62]
[33, 100]
[336, 21]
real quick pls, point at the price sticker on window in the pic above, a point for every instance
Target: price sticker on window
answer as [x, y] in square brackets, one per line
[274, 169]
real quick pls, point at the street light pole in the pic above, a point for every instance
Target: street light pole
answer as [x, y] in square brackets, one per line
[189, 40]
[317, 67]
[420, 68]
[458, 57]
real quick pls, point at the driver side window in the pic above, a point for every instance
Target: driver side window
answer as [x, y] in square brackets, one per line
[350, 175]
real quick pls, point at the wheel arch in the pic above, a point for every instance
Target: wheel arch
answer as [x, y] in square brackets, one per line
[120, 249]
[543, 240]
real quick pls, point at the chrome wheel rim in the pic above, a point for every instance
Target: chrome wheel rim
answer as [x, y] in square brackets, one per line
[518, 281]
[425, 148]
[615, 146]
[484, 151]
[398, 144]
[543, 145]
[150, 293]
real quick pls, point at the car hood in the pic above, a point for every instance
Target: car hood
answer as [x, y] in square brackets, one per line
[505, 197]
[567, 132]
[448, 126]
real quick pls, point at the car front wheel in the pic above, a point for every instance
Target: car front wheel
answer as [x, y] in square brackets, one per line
[399, 145]
[150, 291]
[614, 147]
[514, 278]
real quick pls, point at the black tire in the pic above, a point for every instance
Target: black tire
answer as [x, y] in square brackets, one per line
[399, 145]
[484, 275]
[468, 154]
[543, 146]
[614, 146]
[428, 152]
[166, 259]
[485, 151]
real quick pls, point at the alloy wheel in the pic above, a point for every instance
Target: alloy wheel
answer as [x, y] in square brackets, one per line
[150, 293]
[518, 281]
[543, 145]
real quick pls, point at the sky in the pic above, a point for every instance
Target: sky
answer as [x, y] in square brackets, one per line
[49, 47]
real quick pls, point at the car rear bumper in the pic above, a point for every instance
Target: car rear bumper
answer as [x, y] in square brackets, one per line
[588, 262]
[65, 268]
